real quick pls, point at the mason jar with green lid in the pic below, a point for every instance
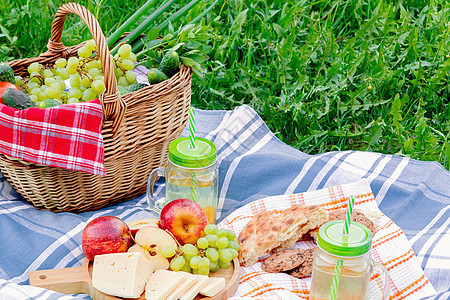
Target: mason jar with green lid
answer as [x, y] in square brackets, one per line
[191, 173]
[354, 251]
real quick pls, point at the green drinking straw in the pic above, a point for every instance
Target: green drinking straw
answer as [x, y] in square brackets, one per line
[194, 182]
[335, 283]
[348, 215]
[192, 128]
[340, 262]
[194, 187]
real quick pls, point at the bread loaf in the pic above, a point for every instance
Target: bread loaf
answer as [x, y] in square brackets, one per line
[277, 229]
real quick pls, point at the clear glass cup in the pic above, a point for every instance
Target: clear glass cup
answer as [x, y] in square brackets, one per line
[190, 174]
[354, 251]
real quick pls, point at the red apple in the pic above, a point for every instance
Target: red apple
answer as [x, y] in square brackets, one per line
[185, 219]
[106, 234]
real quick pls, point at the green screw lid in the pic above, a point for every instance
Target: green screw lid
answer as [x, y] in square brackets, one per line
[331, 239]
[182, 155]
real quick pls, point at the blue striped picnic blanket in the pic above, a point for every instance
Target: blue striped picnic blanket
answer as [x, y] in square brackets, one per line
[253, 164]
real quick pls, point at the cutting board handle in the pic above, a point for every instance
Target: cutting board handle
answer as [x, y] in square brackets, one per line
[67, 281]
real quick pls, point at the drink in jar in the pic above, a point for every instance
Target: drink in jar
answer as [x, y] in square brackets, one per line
[190, 174]
[353, 285]
[180, 183]
[354, 250]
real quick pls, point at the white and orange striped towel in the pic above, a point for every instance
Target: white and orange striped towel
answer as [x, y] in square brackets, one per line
[390, 247]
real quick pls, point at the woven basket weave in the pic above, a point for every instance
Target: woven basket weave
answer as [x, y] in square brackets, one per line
[137, 129]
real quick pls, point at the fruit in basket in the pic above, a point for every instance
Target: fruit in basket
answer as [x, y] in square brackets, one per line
[84, 73]
[4, 86]
[185, 219]
[170, 63]
[155, 76]
[105, 234]
[149, 241]
[124, 62]
[136, 225]
[6, 73]
[17, 99]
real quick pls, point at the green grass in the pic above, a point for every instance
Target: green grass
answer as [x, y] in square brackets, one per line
[325, 75]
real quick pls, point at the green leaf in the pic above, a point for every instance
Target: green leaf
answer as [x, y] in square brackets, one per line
[239, 21]
[396, 110]
[152, 34]
[191, 63]
[280, 30]
[408, 146]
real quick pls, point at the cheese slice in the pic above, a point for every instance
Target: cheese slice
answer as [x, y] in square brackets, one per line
[184, 287]
[202, 281]
[162, 283]
[121, 274]
[215, 285]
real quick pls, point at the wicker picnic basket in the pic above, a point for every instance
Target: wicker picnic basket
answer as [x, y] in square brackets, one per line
[137, 129]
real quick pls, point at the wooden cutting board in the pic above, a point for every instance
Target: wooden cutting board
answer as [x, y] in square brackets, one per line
[78, 280]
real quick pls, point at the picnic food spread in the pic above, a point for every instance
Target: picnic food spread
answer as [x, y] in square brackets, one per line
[132, 259]
[183, 254]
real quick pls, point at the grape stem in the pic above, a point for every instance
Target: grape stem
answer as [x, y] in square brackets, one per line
[26, 80]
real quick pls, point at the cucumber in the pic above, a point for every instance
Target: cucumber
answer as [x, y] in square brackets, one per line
[131, 88]
[122, 90]
[135, 87]
[6, 73]
[170, 63]
[47, 103]
[17, 99]
[156, 76]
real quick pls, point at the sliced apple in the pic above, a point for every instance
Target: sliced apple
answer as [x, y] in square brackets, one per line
[141, 223]
[149, 241]
[158, 261]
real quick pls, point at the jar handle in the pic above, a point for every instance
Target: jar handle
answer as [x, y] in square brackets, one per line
[153, 204]
[380, 269]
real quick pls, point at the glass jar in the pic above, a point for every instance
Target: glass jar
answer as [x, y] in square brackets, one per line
[190, 174]
[353, 252]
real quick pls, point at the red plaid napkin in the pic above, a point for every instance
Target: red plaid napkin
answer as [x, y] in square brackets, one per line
[66, 136]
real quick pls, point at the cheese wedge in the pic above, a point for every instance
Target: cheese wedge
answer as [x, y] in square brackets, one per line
[215, 285]
[161, 283]
[121, 274]
[202, 281]
[184, 287]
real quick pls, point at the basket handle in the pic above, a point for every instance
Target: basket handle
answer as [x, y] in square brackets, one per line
[114, 106]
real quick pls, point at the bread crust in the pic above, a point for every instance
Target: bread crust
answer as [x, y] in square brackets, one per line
[277, 229]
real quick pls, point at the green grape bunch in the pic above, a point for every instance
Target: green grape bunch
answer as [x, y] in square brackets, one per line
[213, 251]
[76, 79]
